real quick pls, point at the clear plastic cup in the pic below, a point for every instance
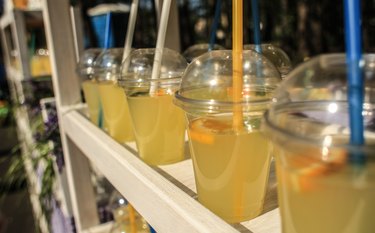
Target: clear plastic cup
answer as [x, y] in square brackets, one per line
[112, 97]
[196, 50]
[159, 126]
[323, 186]
[276, 55]
[231, 165]
[126, 218]
[86, 71]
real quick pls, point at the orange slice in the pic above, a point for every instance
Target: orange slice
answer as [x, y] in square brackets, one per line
[199, 133]
[160, 92]
[310, 167]
[203, 130]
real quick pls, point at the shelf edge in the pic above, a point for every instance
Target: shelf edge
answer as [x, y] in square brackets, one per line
[174, 210]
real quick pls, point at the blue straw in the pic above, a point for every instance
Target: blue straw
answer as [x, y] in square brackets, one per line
[108, 30]
[353, 39]
[100, 116]
[107, 45]
[256, 22]
[214, 26]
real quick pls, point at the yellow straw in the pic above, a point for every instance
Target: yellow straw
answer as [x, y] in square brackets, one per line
[237, 63]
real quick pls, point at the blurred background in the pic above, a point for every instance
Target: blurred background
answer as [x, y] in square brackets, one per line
[302, 28]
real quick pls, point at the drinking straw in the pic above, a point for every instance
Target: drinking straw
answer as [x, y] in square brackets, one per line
[133, 224]
[214, 26]
[130, 29]
[32, 44]
[160, 42]
[355, 81]
[107, 38]
[257, 40]
[237, 35]
[256, 22]
[107, 43]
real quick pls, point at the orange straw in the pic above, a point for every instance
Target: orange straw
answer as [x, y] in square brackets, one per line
[237, 35]
[133, 226]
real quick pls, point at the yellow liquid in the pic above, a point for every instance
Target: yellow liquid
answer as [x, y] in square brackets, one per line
[116, 112]
[127, 219]
[91, 93]
[159, 129]
[331, 197]
[231, 170]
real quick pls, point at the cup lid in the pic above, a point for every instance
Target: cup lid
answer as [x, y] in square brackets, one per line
[315, 93]
[207, 82]
[108, 64]
[137, 68]
[276, 55]
[85, 66]
[196, 50]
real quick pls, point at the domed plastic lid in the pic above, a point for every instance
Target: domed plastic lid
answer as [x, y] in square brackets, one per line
[136, 71]
[85, 66]
[276, 55]
[108, 64]
[207, 84]
[313, 100]
[195, 51]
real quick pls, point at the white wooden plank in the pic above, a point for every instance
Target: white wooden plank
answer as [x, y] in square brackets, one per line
[103, 228]
[60, 40]
[266, 223]
[157, 192]
[165, 206]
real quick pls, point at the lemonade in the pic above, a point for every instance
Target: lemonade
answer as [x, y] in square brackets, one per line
[330, 196]
[231, 168]
[116, 111]
[159, 128]
[90, 91]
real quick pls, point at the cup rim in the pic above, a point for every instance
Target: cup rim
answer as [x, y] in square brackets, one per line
[267, 124]
[215, 106]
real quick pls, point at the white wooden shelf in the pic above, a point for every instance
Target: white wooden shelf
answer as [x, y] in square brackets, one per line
[164, 195]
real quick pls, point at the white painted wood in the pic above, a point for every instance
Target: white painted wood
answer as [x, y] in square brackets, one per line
[266, 223]
[165, 207]
[77, 27]
[103, 228]
[60, 40]
[16, 21]
[164, 195]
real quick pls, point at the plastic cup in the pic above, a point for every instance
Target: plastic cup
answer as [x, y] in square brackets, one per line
[323, 184]
[195, 51]
[231, 166]
[159, 126]
[112, 97]
[276, 55]
[86, 71]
